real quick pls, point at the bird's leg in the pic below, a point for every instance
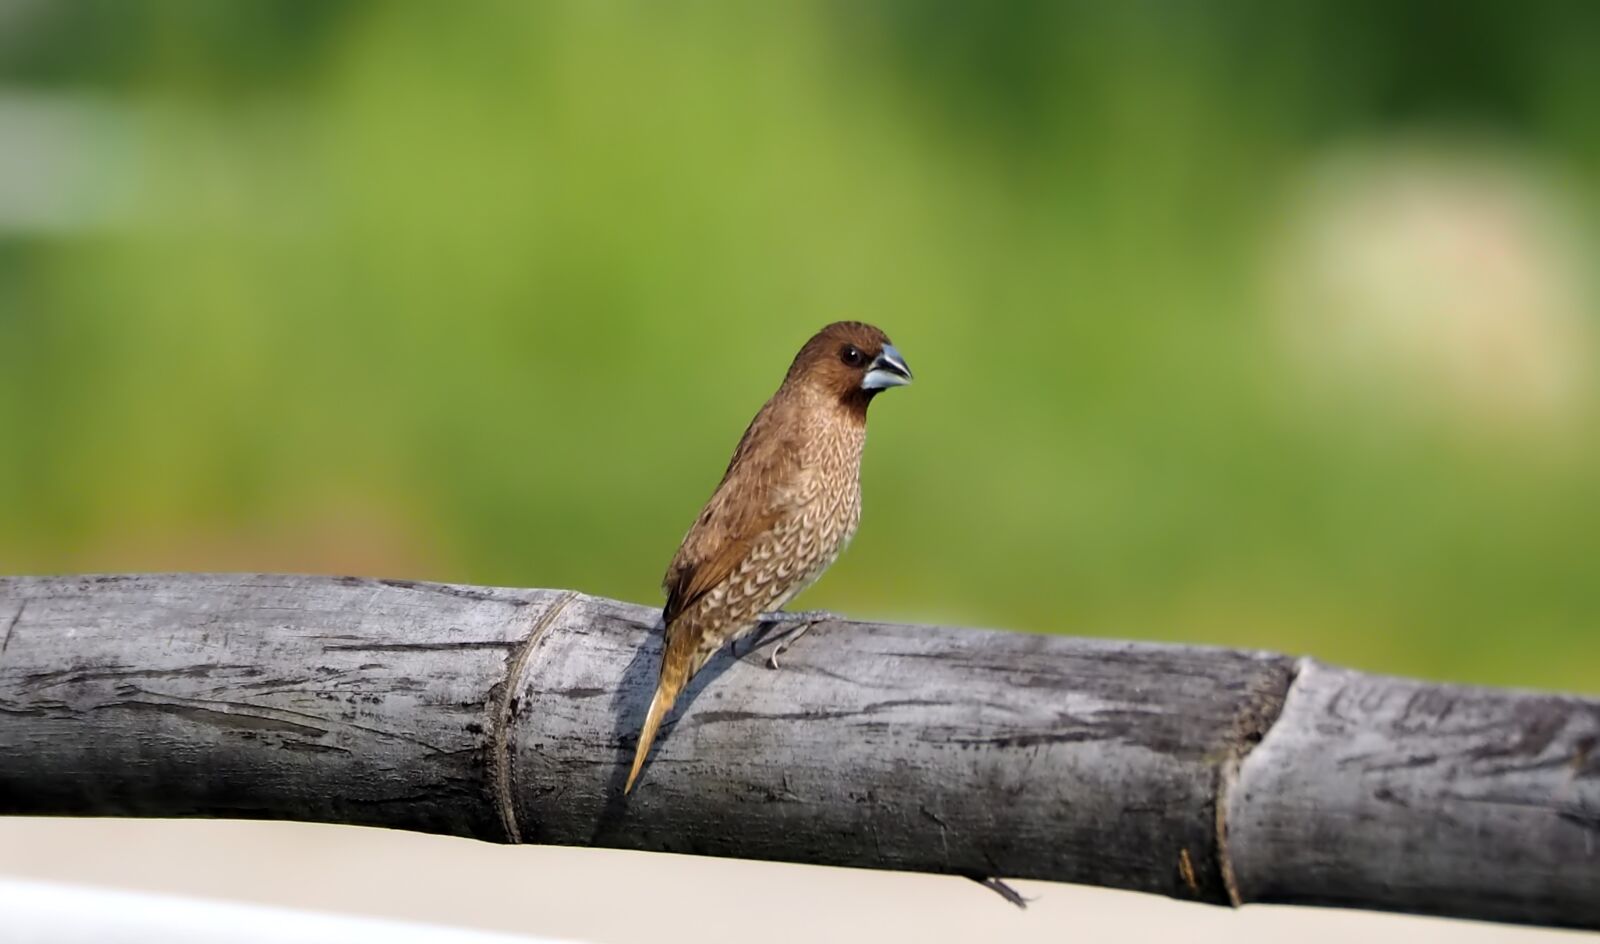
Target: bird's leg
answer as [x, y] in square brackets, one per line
[803, 620]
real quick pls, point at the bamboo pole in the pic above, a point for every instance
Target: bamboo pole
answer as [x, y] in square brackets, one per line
[509, 715]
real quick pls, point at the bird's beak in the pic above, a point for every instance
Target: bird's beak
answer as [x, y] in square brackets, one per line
[888, 370]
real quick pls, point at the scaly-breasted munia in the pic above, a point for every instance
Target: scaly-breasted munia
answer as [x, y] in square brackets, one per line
[787, 505]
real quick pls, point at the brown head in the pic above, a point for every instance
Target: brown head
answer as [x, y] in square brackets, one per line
[850, 360]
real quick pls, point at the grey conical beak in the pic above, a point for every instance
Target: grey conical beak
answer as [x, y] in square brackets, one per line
[888, 370]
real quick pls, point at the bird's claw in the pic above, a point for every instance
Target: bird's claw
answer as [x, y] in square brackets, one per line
[781, 647]
[805, 620]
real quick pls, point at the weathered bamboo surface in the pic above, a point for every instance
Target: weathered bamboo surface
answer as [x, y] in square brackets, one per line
[509, 715]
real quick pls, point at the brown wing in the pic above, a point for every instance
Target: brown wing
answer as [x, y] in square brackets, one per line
[756, 491]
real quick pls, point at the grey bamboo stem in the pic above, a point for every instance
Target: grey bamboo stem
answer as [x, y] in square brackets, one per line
[509, 716]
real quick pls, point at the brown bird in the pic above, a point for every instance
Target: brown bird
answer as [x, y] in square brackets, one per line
[787, 505]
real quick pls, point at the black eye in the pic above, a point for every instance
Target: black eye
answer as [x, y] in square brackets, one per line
[852, 356]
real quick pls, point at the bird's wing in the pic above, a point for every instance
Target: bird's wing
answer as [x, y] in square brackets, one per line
[756, 492]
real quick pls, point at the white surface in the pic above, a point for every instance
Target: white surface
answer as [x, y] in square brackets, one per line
[602, 896]
[47, 913]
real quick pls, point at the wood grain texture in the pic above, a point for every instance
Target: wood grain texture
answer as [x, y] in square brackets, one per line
[510, 715]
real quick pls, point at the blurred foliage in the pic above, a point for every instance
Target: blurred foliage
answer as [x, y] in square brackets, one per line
[487, 294]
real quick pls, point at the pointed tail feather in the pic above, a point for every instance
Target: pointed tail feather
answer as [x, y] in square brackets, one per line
[666, 694]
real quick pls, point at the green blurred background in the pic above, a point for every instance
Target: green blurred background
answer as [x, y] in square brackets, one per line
[1239, 323]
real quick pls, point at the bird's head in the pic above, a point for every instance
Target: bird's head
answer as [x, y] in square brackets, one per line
[851, 360]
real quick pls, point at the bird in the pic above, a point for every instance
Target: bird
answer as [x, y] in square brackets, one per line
[787, 505]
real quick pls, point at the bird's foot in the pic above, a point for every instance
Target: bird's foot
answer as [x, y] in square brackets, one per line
[783, 617]
[802, 621]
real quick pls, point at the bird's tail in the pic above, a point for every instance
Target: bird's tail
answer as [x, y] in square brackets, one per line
[673, 677]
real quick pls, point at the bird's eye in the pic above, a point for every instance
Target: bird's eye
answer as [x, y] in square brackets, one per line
[852, 356]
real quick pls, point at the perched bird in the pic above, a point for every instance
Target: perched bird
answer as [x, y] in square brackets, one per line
[787, 505]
